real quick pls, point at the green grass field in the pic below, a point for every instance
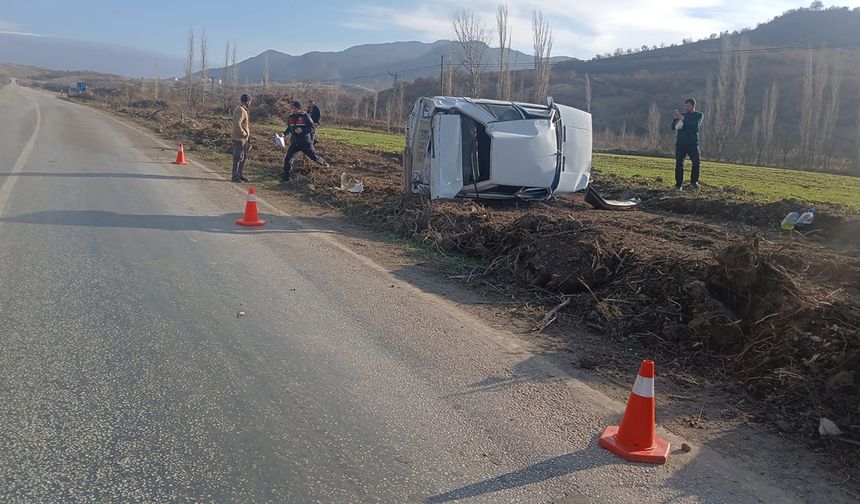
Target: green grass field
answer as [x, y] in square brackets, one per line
[759, 184]
[370, 140]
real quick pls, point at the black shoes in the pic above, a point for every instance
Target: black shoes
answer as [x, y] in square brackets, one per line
[242, 178]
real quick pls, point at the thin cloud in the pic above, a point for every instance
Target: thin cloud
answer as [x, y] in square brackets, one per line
[10, 28]
[27, 34]
[582, 28]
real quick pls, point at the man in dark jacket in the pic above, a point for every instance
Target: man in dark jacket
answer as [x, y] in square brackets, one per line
[687, 144]
[314, 112]
[300, 127]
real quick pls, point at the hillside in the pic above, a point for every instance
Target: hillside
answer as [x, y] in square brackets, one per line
[624, 87]
[362, 64]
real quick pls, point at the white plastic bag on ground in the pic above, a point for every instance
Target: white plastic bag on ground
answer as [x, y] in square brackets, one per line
[350, 184]
[280, 141]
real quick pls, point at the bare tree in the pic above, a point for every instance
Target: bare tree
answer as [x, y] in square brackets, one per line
[542, 32]
[587, 93]
[815, 80]
[504, 87]
[189, 69]
[757, 139]
[826, 141]
[857, 144]
[623, 134]
[741, 62]
[388, 106]
[234, 73]
[156, 82]
[265, 71]
[375, 98]
[654, 119]
[449, 76]
[225, 95]
[335, 94]
[767, 123]
[203, 76]
[728, 105]
[473, 39]
[707, 109]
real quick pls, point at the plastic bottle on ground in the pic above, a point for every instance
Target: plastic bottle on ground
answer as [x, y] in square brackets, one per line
[806, 218]
[790, 221]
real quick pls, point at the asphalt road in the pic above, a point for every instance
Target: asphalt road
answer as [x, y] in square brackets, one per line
[127, 374]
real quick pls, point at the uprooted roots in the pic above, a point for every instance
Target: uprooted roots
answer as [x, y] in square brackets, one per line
[738, 311]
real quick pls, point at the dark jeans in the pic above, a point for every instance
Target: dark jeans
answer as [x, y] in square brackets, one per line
[240, 154]
[293, 151]
[682, 151]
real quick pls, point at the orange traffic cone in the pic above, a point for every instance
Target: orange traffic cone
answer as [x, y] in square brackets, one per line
[180, 156]
[251, 218]
[636, 439]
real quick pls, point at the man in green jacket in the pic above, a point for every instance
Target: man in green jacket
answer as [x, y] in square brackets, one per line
[687, 144]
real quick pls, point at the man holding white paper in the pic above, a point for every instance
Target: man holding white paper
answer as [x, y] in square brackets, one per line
[687, 144]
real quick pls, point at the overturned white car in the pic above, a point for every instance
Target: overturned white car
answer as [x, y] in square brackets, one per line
[495, 149]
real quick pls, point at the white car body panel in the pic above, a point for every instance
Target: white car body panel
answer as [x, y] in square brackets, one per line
[446, 162]
[577, 149]
[523, 153]
[462, 147]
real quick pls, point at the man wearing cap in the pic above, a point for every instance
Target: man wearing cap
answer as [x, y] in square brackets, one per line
[300, 127]
[241, 137]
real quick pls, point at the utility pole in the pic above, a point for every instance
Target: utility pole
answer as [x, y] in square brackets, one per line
[442, 75]
[398, 90]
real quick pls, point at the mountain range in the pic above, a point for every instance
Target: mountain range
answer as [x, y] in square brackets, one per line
[361, 65]
[364, 64]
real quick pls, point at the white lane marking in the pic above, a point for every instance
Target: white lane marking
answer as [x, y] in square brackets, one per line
[11, 179]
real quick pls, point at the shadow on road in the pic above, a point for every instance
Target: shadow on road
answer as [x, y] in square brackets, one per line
[224, 223]
[150, 176]
[535, 473]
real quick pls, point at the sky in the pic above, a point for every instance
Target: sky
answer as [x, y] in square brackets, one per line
[581, 28]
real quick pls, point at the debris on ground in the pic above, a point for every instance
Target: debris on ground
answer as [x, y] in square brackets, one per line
[351, 184]
[827, 428]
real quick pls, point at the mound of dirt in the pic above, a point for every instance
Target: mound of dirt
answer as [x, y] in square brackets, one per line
[270, 108]
[832, 225]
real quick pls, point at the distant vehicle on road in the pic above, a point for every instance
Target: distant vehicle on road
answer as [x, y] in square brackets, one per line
[463, 147]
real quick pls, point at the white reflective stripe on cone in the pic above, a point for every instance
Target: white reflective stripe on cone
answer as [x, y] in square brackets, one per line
[644, 387]
[251, 197]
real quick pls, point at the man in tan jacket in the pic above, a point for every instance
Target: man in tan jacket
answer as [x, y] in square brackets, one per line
[241, 138]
